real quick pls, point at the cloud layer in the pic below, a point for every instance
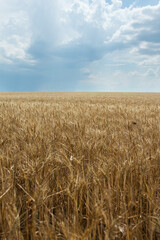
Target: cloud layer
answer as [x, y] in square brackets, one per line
[78, 45]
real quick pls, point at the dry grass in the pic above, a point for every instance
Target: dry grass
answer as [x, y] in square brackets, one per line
[79, 166]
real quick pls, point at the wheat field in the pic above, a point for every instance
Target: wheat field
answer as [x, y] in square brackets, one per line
[79, 166]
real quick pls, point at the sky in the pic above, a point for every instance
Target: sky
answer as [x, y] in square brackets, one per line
[79, 45]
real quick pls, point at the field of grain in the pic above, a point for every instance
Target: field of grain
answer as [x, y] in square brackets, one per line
[79, 166]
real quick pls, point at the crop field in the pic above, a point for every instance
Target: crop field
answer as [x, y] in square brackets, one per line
[79, 166]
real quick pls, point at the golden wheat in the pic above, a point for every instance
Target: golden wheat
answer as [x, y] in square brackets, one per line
[79, 166]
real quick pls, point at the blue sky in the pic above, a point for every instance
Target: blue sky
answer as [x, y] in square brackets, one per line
[80, 45]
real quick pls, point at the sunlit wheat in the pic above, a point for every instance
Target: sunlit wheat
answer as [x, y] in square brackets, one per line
[79, 166]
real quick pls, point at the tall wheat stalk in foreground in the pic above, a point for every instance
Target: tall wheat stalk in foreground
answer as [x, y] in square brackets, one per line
[79, 166]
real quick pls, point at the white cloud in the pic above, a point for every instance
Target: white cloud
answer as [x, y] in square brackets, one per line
[150, 61]
[15, 35]
[141, 30]
[83, 22]
[82, 34]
